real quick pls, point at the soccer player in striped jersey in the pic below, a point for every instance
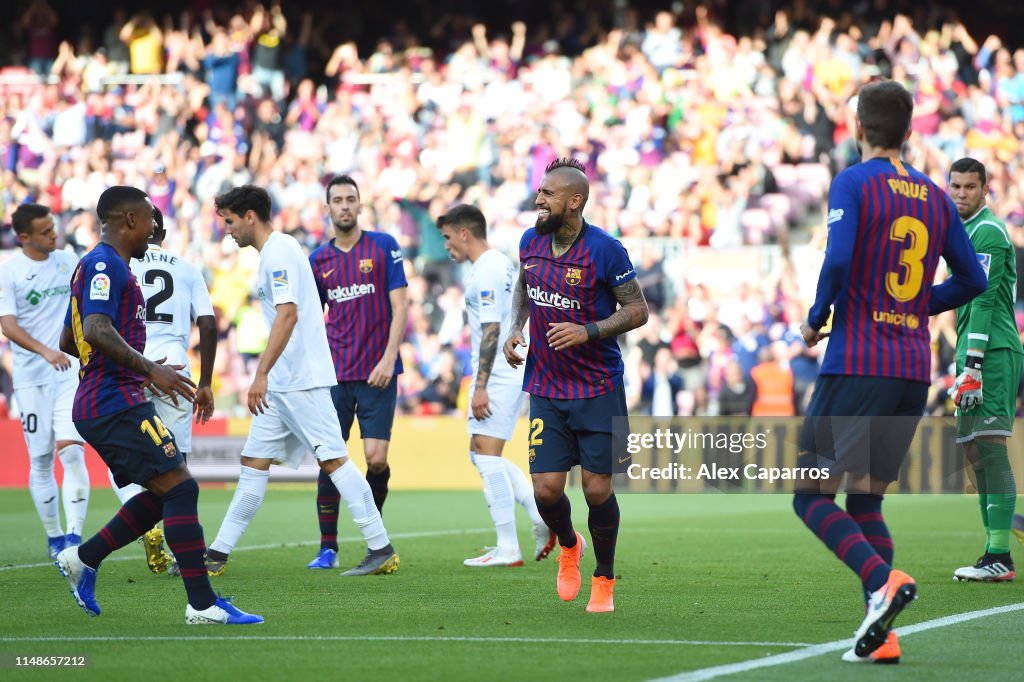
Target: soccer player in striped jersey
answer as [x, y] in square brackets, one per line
[34, 286]
[571, 277]
[888, 226]
[290, 395]
[176, 294]
[105, 329]
[361, 280]
[987, 345]
[497, 387]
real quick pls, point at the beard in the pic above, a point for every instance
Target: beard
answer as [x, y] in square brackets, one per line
[550, 224]
[345, 225]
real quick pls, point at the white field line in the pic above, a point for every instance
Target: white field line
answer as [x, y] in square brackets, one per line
[829, 647]
[278, 545]
[397, 638]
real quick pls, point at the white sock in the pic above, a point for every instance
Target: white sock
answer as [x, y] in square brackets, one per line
[75, 488]
[523, 490]
[252, 488]
[42, 484]
[126, 493]
[498, 493]
[356, 494]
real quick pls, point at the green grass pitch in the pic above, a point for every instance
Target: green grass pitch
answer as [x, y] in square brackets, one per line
[705, 580]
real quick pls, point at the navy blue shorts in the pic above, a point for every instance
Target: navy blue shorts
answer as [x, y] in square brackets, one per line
[134, 444]
[564, 433]
[861, 425]
[375, 407]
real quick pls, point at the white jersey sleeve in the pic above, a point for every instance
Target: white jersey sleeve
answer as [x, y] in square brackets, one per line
[37, 294]
[489, 299]
[285, 276]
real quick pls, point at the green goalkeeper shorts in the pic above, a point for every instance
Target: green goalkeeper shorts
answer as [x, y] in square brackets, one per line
[1000, 378]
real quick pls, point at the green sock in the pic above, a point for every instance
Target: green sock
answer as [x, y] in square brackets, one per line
[979, 478]
[1001, 490]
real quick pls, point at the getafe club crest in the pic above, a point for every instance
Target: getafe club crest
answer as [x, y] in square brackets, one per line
[573, 276]
[366, 265]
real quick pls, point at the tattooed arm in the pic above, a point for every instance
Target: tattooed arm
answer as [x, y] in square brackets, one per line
[632, 312]
[480, 405]
[520, 313]
[99, 333]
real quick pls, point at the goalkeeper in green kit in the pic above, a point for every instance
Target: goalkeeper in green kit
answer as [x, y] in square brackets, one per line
[988, 365]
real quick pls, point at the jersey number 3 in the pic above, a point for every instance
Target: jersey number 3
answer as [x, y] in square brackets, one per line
[159, 297]
[905, 284]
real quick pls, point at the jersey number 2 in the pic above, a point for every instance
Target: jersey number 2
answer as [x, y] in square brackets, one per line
[905, 284]
[159, 297]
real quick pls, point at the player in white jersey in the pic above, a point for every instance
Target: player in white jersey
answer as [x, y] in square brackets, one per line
[497, 387]
[35, 284]
[290, 396]
[176, 294]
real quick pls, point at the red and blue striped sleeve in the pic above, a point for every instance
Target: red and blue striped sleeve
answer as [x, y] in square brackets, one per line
[843, 219]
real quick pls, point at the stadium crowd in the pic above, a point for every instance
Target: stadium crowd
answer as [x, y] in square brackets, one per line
[701, 131]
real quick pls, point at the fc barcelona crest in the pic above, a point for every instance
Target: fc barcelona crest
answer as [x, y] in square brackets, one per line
[366, 265]
[573, 276]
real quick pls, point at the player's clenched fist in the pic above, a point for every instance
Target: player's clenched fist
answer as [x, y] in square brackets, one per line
[514, 340]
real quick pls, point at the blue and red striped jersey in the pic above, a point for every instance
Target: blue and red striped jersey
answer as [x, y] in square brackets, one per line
[888, 226]
[574, 287]
[102, 284]
[356, 286]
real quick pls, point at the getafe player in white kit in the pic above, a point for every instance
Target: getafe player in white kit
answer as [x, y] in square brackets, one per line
[35, 284]
[176, 294]
[497, 387]
[290, 395]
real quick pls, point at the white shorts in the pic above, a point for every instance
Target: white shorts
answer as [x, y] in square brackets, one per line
[296, 423]
[177, 419]
[46, 413]
[506, 397]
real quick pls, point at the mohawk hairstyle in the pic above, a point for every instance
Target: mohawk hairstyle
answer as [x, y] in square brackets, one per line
[566, 162]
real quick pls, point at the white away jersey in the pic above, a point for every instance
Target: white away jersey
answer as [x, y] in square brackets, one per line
[489, 299]
[176, 294]
[285, 276]
[37, 294]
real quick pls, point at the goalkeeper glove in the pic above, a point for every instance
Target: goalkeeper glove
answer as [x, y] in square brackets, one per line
[966, 392]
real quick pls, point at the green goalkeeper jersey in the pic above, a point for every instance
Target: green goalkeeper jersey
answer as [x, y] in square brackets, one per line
[988, 321]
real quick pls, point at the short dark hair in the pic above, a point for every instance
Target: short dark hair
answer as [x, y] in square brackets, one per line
[566, 162]
[25, 214]
[114, 199]
[160, 231]
[467, 216]
[341, 180]
[884, 109]
[969, 165]
[240, 200]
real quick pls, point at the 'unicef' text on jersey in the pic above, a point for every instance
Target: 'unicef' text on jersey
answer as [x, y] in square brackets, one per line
[356, 286]
[888, 226]
[575, 287]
